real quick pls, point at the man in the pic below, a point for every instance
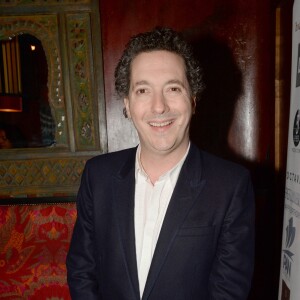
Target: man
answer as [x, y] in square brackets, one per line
[163, 220]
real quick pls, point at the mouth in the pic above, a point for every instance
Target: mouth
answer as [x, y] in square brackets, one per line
[160, 124]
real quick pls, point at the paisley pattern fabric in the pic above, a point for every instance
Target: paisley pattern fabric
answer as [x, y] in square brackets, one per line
[34, 241]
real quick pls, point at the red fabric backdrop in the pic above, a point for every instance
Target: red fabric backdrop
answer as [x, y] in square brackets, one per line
[34, 241]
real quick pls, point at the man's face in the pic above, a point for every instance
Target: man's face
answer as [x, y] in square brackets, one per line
[159, 102]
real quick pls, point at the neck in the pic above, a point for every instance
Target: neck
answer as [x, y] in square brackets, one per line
[157, 164]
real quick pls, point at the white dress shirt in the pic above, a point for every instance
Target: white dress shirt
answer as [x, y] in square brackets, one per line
[151, 202]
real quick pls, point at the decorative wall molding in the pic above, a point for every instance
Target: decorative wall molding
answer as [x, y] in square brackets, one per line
[76, 93]
[79, 41]
[6, 3]
[39, 176]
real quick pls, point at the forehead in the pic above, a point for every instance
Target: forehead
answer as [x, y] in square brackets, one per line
[157, 62]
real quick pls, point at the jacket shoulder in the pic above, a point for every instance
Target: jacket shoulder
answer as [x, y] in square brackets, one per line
[216, 163]
[110, 162]
[216, 168]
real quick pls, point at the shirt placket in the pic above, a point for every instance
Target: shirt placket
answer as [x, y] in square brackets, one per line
[148, 246]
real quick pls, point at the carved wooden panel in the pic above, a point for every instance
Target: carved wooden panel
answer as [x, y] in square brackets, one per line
[79, 39]
[41, 2]
[75, 92]
[41, 177]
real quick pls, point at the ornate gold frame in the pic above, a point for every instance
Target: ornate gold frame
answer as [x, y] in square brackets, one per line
[76, 97]
[45, 28]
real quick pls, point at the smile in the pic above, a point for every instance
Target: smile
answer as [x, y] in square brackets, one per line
[162, 124]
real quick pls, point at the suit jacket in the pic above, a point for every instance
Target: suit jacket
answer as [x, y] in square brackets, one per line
[205, 247]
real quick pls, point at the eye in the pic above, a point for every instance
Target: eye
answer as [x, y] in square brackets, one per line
[141, 91]
[175, 89]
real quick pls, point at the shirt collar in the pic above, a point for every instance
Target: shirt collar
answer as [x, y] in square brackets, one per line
[172, 173]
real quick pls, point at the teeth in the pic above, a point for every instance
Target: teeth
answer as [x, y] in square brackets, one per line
[160, 124]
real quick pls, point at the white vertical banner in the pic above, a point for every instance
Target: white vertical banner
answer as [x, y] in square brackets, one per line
[289, 285]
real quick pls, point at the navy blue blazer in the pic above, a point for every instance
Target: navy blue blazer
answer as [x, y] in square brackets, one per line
[205, 248]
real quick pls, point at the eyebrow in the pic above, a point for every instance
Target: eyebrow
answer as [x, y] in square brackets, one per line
[142, 82]
[172, 81]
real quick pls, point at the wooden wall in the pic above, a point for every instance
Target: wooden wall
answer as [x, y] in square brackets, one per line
[235, 41]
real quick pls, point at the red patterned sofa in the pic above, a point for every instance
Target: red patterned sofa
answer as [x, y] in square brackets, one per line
[34, 241]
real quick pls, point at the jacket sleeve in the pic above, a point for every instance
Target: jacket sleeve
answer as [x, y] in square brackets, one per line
[81, 262]
[232, 269]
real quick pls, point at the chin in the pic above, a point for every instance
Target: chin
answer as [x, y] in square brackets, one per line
[164, 147]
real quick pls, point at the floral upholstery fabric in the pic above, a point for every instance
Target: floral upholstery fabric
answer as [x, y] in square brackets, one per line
[34, 241]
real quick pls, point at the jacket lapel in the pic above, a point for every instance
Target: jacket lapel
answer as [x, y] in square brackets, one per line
[187, 189]
[124, 188]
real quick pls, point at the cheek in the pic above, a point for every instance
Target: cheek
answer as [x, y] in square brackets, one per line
[186, 115]
[185, 109]
[137, 112]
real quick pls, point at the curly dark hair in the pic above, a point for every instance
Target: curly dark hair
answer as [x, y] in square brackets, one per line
[160, 38]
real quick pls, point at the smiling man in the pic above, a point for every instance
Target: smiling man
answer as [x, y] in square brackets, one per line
[160, 106]
[164, 220]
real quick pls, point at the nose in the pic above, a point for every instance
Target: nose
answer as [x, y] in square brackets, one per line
[159, 104]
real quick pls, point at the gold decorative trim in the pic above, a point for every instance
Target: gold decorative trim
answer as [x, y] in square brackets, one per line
[12, 3]
[35, 176]
[79, 39]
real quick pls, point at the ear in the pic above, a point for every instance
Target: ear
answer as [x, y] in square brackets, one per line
[126, 110]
